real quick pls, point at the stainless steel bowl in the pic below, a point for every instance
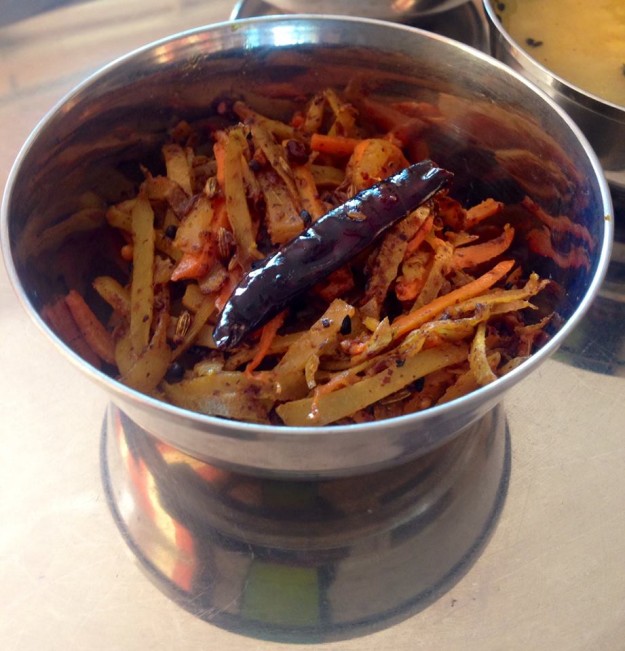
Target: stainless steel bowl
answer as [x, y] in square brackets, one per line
[501, 135]
[380, 9]
[602, 122]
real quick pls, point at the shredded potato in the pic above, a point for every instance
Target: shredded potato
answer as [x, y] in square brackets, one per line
[438, 306]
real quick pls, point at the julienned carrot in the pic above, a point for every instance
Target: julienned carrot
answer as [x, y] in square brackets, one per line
[267, 335]
[470, 256]
[221, 214]
[194, 264]
[482, 211]
[335, 145]
[420, 235]
[96, 335]
[412, 320]
[60, 319]
[234, 276]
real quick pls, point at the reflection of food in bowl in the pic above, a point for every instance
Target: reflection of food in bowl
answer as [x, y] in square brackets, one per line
[582, 42]
[575, 52]
[501, 138]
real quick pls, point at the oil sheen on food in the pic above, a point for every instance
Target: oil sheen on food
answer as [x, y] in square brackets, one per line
[582, 41]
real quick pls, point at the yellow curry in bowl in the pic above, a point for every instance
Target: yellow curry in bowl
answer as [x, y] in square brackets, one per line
[582, 42]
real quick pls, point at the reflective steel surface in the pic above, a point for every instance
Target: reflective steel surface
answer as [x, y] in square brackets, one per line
[396, 10]
[311, 560]
[598, 344]
[463, 21]
[547, 575]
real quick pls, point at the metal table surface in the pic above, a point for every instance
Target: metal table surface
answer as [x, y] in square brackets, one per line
[541, 514]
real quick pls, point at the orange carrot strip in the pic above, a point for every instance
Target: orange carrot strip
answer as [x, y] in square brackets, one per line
[412, 320]
[419, 236]
[228, 287]
[469, 256]
[481, 211]
[60, 319]
[96, 335]
[194, 264]
[335, 145]
[334, 384]
[268, 334]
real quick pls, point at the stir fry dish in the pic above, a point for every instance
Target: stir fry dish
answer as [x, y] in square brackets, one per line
[309, 271]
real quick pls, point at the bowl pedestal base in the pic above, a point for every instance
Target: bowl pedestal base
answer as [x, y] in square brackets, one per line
[305, 560]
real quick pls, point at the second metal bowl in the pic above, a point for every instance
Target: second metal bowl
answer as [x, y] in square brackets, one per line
[602, 122]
